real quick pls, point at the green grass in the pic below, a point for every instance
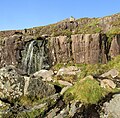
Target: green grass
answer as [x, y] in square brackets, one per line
[87, 92]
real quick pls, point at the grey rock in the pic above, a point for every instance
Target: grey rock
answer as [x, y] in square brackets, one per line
[11, 83]
[64, 89]
[39, 88]
[52, 113]
[112, 108]
[71, 70]
[65, 83]
[63, 113]
[113, 73]
[106, 83]
[72, 109]
[45, 74]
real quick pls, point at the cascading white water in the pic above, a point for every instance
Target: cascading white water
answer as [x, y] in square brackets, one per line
[27, 61]
[35, 56]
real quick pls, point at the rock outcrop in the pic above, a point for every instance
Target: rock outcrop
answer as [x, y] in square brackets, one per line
[84, 48]
[31, 54]
[89, 48]
[18, 92]
[115, 46]
[60, 49]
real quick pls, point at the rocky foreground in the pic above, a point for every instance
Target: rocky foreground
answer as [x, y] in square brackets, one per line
[64, 91]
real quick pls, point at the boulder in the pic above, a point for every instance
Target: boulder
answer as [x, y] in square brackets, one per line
[64, 83]
[38, 88]
[45, 74]
[107, 83]
[65, 89]
[13, 85]
[113, 73]
[112, 108]
[71, 70]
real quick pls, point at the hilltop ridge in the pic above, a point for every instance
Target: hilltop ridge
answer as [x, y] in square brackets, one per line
[108, 24]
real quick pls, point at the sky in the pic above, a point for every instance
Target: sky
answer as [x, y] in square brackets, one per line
[21, 14]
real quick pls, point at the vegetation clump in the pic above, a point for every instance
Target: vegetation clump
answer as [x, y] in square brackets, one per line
[87, 91]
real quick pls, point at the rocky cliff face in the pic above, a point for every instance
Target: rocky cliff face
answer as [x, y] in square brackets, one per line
[86, 40]
[84, 48]
[32, 54]
[89, 48]
[115, 46]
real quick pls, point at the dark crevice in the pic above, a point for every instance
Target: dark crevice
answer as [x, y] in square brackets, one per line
[52, 107]
[57, 88]
[7, 101]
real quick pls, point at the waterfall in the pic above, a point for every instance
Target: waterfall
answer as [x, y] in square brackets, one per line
[27, 61]
[35, 56]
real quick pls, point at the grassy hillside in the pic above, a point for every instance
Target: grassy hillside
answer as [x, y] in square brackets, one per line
[109, 25]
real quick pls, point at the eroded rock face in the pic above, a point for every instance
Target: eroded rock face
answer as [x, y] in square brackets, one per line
[88, 48]
[10, 50]
[115, 46]
[24, 52]
[60, 49]
[32, 55]
[35, 56]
